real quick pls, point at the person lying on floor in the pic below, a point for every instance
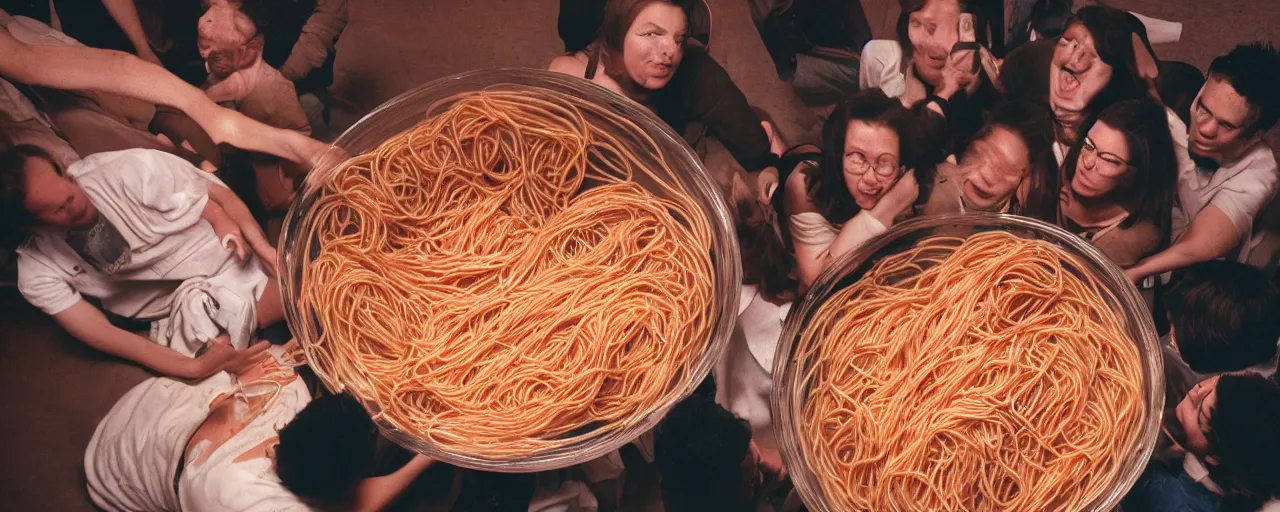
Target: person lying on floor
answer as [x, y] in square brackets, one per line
[153, 238]
[239, 441]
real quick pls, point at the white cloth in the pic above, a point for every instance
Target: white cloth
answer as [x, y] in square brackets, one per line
[134, 453]
[1160, 31]
[219, 484]
[881, 68]
[154, 200]
[811, 228]
[1241, 189]
[744, 376]
[201, 311]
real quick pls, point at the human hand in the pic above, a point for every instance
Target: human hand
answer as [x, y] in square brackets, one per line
[902, 194]
[221, 356]
[956, 76]
[145, 53]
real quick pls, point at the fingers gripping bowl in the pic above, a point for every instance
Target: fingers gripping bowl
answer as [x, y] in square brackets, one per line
[525, 278]
[976, 362]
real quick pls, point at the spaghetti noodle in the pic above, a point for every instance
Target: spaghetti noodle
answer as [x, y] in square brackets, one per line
[987, 373]
[497, 281]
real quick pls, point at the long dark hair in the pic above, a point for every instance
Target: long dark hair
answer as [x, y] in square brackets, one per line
[1113, 39]
[1031, 121]
[1149, 195]
[826, 186]
[1241, 433]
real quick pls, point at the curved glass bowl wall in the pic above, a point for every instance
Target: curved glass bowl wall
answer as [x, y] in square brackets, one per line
[790, 391]
[407, 110]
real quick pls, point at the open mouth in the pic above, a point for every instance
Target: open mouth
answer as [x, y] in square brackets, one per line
[978, 192]
[1068, 81]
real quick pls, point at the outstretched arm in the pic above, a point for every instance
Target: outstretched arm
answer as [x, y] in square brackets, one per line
[89, 325]
[83, 68]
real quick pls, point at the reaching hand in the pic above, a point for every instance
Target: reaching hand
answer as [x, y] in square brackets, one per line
[956, 76]
[903, 193]
[222, 356]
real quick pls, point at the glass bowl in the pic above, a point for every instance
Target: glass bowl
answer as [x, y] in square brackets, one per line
[407, 110]
[790, 391]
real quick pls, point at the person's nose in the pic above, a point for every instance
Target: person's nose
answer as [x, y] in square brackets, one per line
[1208, 128]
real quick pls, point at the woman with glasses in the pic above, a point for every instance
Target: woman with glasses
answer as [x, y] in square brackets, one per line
[854, 189]
[1120, 179]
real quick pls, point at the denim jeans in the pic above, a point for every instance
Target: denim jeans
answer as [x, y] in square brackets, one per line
[1162, 489]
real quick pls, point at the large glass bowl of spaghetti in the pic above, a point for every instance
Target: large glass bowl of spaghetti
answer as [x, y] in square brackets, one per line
[513, 270]
[968, 362]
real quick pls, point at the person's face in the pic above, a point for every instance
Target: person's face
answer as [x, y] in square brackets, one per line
[1194, 412]
[654, 45]
[1103, 165]
[221, 37]
[55, 201]
[994, 167]
[870, 162]
[1076, 74]
[1219, 119]
[933, 31]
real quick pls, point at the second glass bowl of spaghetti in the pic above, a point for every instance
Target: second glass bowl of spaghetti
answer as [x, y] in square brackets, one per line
[516, 270]
[968, 362]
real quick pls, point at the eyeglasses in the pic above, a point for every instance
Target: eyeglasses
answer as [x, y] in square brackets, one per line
[858, 165]
[1112, 164]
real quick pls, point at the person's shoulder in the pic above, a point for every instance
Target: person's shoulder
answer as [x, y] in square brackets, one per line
[570, 64]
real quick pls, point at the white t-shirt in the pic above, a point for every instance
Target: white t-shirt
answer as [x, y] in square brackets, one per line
[149, 238]
[1241, 189]
[219, 484]
[134, 453]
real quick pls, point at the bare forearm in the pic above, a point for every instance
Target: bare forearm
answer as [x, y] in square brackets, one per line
[317, 40]
[125, 13]
[89, 325]
[237, 212]
[378, 493]
[82, 68]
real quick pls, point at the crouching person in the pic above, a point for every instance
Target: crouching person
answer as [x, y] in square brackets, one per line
[153, 238]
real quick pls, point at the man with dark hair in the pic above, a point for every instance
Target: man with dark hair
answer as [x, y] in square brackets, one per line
[706, 459]
[1227, 426]
[218, 445]
[1224, 316]
[1234, 176]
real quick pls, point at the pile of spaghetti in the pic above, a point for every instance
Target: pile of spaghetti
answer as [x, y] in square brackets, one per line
[495, 281]
[988, 373]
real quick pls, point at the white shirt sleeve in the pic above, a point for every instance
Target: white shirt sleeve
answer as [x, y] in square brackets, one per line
[42, 285]
[153, 194]
[1243, 197]
[881, 68]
